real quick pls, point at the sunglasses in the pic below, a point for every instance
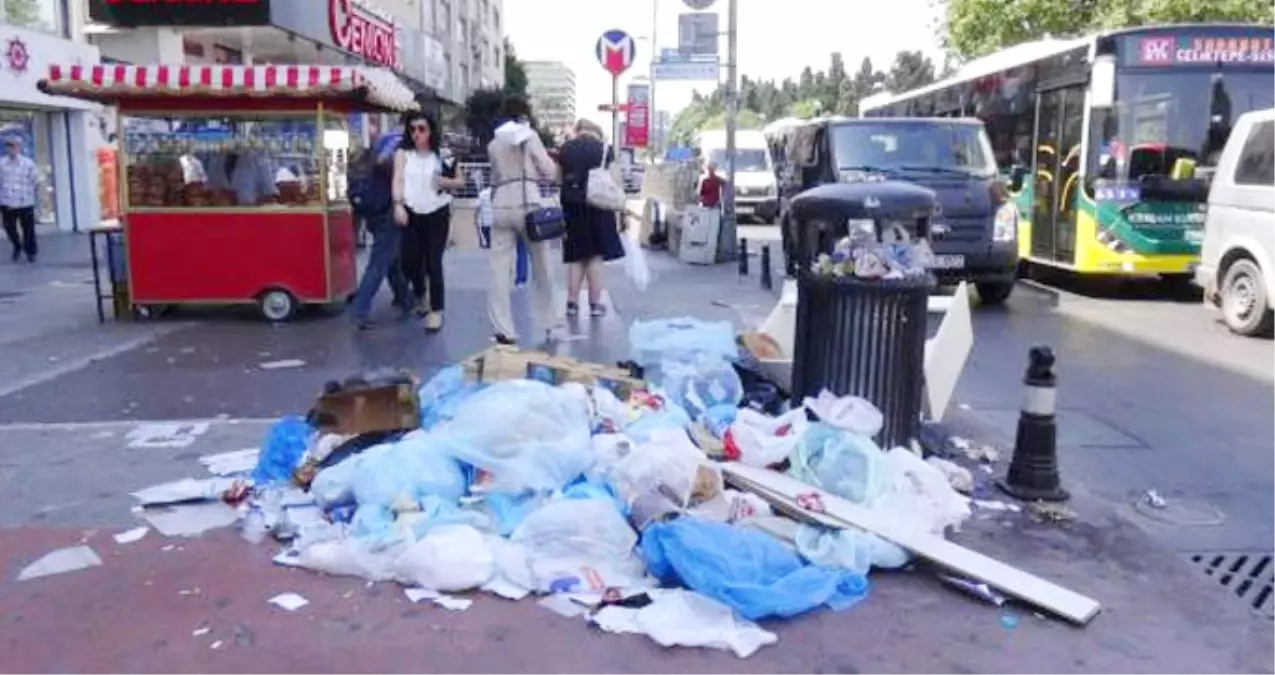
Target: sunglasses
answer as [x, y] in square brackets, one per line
[420, 128]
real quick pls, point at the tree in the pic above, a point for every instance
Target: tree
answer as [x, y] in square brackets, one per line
[910, 70]
[515, 72]
[972, 28]
[24, 13]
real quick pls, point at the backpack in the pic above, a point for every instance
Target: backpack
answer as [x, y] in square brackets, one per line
[371, 193]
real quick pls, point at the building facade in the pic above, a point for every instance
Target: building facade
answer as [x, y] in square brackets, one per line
[551, 86]
[55, 131]
[471, 40]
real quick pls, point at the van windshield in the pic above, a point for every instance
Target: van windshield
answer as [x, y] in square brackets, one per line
[746, 159]
[893, 145]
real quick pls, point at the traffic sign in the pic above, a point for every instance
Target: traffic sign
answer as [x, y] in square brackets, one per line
[697, 34]
[686, 69]
[613, 107]
[698, 5]
[616, 51]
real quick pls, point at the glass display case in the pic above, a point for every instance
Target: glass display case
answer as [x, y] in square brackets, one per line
[200, 161]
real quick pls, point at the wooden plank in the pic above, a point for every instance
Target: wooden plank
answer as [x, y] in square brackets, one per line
[1047, 595]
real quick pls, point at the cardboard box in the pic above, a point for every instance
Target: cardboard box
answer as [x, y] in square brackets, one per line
[364, 409]
[501, 363]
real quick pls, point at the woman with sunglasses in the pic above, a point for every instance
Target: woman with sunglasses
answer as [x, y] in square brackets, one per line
[423, 207]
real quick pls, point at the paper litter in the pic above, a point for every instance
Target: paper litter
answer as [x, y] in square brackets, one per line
[59, 561]
[447, 602]
[289, 601]
[281, 364]
[132, 535]
[191, 520]
[685, 619]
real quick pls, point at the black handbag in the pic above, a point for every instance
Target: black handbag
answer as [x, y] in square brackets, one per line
[543, 223]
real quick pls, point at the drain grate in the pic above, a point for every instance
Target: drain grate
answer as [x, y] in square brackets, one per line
[1249, 575]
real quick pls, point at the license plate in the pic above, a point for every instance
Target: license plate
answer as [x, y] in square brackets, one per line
[948, 262]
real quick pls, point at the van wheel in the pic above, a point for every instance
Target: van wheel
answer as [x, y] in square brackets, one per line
[1245, 307]
[995, 293]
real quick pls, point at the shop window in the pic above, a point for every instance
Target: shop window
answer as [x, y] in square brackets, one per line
[35, 130]
[201, 161]
[47, 16]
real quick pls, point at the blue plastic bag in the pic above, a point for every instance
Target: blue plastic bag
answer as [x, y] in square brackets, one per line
[745, 569]
[508, 510]
[443, 394]
[700, 383]
[655, 341]
[842, 462]
[404, 472]
[285, 446]
[849, 549]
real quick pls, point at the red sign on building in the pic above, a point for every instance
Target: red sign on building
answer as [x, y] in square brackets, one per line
[637, 127]
[358, 29]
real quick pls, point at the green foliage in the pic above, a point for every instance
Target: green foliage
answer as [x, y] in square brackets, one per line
[972, 28]
[24, 13]
[813, 93]
[515, 73]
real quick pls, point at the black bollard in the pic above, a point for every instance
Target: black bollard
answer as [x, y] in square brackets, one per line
[743, 257]
[767, 282]
[1033, 471]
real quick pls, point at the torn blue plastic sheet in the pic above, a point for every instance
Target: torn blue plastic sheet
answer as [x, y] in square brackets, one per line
[748, 570]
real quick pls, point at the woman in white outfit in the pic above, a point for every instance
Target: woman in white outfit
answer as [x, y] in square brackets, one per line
[518, 160]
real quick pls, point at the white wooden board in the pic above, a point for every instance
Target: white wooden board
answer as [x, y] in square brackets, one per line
[1047, 595]
[947, 352]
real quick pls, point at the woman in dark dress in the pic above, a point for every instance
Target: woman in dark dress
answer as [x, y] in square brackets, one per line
[593, 235]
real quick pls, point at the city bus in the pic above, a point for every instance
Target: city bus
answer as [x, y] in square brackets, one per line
[1109, 140]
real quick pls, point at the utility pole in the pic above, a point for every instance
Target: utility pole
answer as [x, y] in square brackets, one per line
[653, 113]
[726, 238]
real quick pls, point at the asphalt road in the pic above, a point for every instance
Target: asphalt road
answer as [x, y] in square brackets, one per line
[1154, 396]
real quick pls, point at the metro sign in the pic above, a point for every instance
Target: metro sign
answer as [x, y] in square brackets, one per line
[361, 30]
[616, 51]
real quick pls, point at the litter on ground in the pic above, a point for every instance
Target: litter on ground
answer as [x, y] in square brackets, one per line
[60, 561]
[677, 494]
[132, 535]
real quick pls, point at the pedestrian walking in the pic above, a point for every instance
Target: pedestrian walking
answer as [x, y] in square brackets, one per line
[518, 160]
[422, 206]
[592, 236]
[18, 178]
[371, 195]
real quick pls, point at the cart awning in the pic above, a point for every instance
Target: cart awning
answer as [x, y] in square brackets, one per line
[112, 81]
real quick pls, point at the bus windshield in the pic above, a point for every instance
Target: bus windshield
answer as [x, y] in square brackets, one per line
[896, 145]
[746, 159]
[1162, 116]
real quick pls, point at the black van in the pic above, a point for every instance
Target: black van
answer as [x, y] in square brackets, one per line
[974, 234]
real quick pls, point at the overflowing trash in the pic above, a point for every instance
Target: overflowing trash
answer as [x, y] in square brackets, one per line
[863, 255]
[602, 490]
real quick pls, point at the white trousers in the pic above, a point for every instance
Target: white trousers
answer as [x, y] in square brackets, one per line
[505, 233]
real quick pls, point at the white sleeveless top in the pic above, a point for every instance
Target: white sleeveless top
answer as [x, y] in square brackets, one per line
[419, 193]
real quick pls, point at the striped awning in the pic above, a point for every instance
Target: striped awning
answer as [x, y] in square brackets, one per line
[378, 87]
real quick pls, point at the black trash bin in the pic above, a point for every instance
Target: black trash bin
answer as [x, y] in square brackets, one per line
[862, 337]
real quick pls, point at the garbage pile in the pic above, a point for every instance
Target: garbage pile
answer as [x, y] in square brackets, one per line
[863, 255]
[606, 492]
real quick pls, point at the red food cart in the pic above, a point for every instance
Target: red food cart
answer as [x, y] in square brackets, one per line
[233, 178]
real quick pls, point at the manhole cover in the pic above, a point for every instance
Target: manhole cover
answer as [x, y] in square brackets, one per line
[1250, 576]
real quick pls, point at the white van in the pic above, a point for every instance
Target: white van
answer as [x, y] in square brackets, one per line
[755, 191]
[1237, 258]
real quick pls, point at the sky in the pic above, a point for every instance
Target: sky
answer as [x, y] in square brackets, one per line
[777, 38]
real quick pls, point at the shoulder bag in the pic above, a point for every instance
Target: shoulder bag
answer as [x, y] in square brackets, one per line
[601, 190]
[543, 223]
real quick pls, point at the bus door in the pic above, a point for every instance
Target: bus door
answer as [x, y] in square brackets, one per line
[1059, 115]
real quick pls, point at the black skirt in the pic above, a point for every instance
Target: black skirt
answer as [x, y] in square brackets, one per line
[591, 233]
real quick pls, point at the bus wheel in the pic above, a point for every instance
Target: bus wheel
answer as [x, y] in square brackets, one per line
[993, 294]
[1245, 307]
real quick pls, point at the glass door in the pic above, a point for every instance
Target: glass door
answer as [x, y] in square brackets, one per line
[1059, 127]
[1070, 133]
[1045, 170]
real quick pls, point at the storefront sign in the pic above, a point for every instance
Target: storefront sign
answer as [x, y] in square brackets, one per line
[1169, 50]
[180, 12]
[365, 32]
[637, 128]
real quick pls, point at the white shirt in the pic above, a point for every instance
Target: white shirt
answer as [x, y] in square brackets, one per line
[18, 179]
[420, 187]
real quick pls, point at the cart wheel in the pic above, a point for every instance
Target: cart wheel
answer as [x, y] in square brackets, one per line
[277, 305]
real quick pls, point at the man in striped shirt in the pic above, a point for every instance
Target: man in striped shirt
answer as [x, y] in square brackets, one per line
[17, 199]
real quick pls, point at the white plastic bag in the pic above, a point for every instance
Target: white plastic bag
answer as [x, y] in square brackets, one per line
[579, 545]
[847, 412]
[668, 463]
[635, 266]
[849, 549]
[758, 437]
[920, 498]
[450, 558]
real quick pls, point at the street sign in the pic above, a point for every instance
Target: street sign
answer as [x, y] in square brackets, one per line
[613, 107]
[616, 51]
[637, 126]
[697, 34]
[698, 5]
[686, 69]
